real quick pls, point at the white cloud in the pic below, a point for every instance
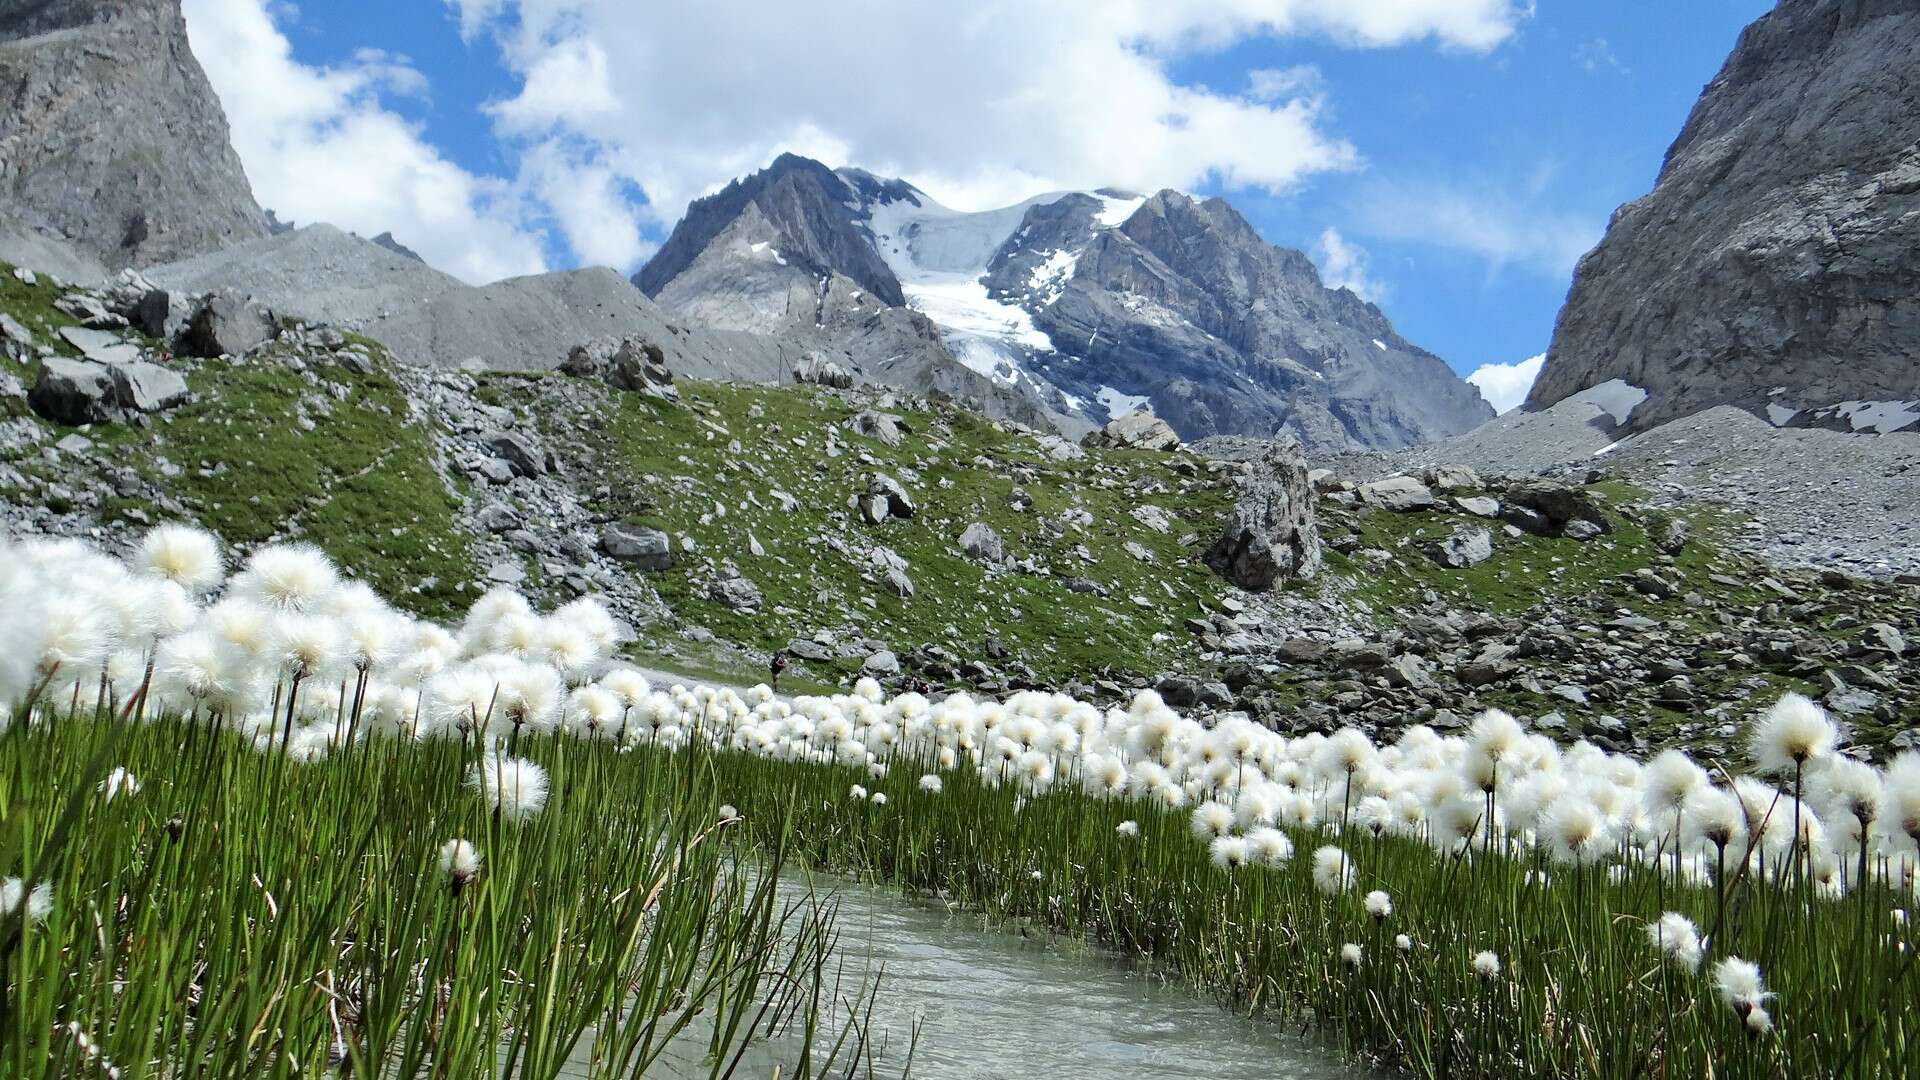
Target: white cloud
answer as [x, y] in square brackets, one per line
[1505, 224]
[1596, 56]
[1343, 264]
[1272, 84]
[1505, 386]
[319, 145]
[980, 104]
[474, 15]
[594, 212]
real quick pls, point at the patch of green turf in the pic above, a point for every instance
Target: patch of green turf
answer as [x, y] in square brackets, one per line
[675, 467]
[355, 478]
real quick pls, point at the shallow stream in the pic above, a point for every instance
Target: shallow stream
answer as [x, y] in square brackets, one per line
[993, 1002]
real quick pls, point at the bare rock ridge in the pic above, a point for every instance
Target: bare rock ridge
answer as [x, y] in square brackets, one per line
[1772, 267]
[1227, 334]
[800, 199]
[113, 148]
[1087, 304]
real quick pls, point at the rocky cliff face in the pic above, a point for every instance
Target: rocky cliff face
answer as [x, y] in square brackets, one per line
[1774, 264]
[1086, 305]
[797, 200]
[111, 141]
[1223, 333]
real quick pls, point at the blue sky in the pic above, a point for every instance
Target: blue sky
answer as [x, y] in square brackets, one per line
[1448, 158]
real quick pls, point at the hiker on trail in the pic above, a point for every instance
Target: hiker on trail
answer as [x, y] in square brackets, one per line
[777, 665]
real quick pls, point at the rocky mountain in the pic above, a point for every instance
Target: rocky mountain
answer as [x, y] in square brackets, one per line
[113, 147]
[1773, 265]
[1092, 304]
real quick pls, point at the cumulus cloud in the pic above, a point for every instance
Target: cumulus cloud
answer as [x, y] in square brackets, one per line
[1505, 386]
[589, 202]
[1343, 264]
[980, 104]
[319, 145]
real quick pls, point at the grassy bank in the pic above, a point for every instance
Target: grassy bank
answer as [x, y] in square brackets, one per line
[238, 913]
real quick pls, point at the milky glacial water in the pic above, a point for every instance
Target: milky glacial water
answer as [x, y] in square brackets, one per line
[992, 1002]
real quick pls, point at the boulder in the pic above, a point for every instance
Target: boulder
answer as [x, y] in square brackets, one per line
[146, 387]
[1467, 546]
[498, 517]
[74, 392]
[1450, 477]
[1187, 692]
[1400, 494]
[884, 499]
[881, 663]
[1272, 534]
[225, 323]
[1478, 505]
[900, 583]
[735, 594]
[516, 451]
[884, 428]
[1525, 520]
[1669, 534]
[1558, 502]
[1884, 637]
[817, 369]
[143, 304]
[637, 545]
[640, 366]
[100, 346]
[1134, 431]
[982, 544]
[1302, 650]
[1060, 449]
[809, 649]
[1325, 481]
[1410, 671]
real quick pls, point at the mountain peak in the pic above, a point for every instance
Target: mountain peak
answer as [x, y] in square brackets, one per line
[805, 202]
[118, 148]
[1090, 302]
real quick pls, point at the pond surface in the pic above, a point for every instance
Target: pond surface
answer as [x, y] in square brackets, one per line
[991, 1002]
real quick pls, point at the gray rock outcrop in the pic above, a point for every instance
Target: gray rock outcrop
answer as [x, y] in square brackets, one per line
[982, 543]
[76, 392]
[1466, 546]
[1773, 265]
[1272, 535]
[637, 546]
[817, 369]
[1135, 431]
[225, 323]
[112, 143]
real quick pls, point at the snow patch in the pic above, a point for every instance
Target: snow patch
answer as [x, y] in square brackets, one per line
[1779, 415]
[1615, 397]
[1049, 279]
[1115, 212]
[1879, 417]
[1378, 344]
[1118, 404]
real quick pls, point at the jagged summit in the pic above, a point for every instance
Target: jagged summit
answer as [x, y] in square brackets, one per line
[804, 202]
[113, 146]
[1093, 303]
